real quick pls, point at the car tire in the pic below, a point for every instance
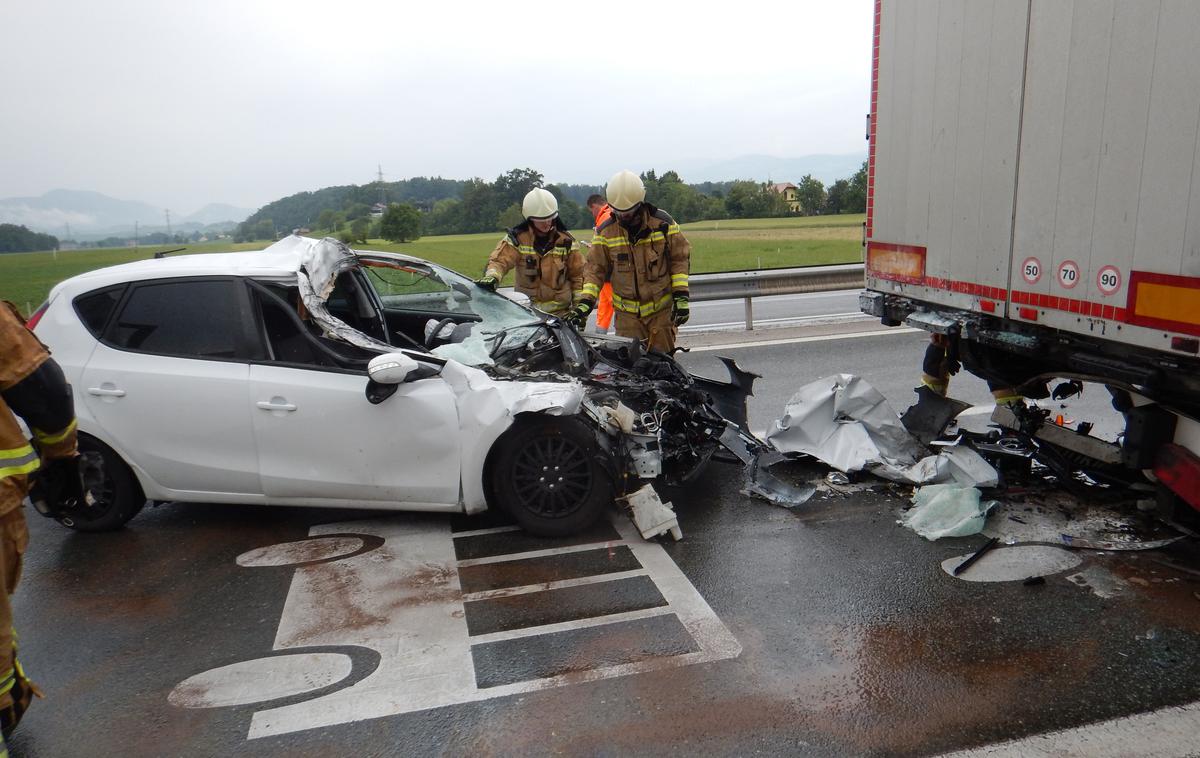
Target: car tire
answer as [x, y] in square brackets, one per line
[550, 477]
[117, 492]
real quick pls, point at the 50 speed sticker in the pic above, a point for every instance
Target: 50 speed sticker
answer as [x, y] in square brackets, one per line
[1031, 270]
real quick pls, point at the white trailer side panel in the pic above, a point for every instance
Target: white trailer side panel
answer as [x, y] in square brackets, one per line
[1107, 154]
[945, 153]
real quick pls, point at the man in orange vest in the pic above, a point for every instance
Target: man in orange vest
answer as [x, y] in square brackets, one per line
[601, 210]
[33, 387]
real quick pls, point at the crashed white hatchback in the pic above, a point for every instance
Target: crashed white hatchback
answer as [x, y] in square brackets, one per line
[243, 378]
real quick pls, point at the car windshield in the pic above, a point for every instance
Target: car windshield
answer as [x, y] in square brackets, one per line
[494, 320]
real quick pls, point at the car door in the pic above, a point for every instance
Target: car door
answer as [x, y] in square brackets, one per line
[168, 385]
[320, 440]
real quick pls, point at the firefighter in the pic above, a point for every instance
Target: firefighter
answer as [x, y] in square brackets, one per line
[601, 211]
[549, 266]
[33, 387]
[645, 256]
[941, 361]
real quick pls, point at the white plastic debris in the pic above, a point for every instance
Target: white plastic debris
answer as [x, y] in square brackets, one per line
[651, 515]
[845, 422]
[946, 510]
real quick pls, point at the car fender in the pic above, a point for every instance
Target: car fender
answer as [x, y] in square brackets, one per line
[488, 407]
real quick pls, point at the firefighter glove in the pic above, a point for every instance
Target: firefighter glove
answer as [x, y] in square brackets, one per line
[59, 489]
[577, 316]
[487, 282]
[681, 311]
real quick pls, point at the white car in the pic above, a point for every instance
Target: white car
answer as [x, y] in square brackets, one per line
[309, 374]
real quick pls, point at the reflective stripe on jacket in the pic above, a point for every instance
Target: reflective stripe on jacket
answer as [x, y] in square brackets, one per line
[20, 355]
[645, 268]
[551, 274]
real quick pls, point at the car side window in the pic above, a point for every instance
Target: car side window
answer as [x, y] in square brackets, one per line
[189, 319]
[94, 308]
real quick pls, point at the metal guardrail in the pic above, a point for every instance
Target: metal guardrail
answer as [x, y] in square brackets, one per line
[747, 285]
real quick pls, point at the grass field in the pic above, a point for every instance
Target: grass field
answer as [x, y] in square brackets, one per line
[731, 245]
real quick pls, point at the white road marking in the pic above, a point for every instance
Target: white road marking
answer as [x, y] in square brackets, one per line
[568, 626]
[560, 584]
[796, 340]
[261, 679]
[291, 553]
[541, 553]
[404, 601]
[491, 530]
[830, 318]
[1165, 733]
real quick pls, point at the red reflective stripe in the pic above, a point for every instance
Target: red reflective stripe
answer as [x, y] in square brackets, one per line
[874, 121]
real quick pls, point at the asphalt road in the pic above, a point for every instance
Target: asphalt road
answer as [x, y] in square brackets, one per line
[824, 630]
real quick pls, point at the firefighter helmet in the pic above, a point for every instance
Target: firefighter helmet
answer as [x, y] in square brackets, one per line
[625, 190]
[539, 204]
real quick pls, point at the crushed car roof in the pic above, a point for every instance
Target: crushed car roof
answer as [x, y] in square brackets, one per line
[281, 259]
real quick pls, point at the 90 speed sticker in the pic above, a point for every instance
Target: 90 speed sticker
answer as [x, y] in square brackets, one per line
[1108, 280]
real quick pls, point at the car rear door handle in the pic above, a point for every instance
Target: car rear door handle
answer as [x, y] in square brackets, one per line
[106, 392]
[276, 404]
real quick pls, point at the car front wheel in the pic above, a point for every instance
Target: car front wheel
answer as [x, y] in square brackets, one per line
[118, 496]
[549, 476]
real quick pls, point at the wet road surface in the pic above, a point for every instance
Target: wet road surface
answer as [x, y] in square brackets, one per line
[849, 636]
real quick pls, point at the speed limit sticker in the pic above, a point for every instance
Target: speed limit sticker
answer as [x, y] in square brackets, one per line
[1068, 274]
[1108, 280]
[1031, 270]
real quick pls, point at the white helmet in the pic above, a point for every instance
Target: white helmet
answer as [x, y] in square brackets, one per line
[625, 190]
[539, 204]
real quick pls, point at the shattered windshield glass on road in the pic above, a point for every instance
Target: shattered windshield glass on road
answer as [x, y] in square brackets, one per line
[479, 323]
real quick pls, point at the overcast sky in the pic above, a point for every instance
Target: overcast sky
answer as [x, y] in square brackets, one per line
[245, 101]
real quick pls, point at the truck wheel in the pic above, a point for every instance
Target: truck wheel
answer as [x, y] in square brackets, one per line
[116, 490]
[549, 477]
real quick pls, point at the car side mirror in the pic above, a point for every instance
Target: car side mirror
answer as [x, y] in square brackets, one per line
[387, 372]
[391, 368]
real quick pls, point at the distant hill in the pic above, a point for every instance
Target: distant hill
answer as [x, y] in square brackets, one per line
[216, 213]
[92, 215]
[827, 168]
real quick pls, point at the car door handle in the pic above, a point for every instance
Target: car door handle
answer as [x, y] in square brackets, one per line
[105, 392]
[275, 405]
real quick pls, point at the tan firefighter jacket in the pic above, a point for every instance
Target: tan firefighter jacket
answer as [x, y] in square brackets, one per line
[550, 273]
[20, 355]
[645, 269]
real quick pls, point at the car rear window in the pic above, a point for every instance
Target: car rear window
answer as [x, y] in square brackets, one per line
[94, 308]
[194, 319]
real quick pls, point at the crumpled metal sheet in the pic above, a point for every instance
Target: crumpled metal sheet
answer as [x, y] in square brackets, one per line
[320, 263]
[846, 423]
[756, 480]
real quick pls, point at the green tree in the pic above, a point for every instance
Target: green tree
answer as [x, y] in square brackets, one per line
[325, 219]
[401, 223]
[263, 230]
[835, 200]
[20, 239]
[856, 198]
[811, 194]
[359, 227]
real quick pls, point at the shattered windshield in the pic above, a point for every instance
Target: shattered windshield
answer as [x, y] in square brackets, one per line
[485, 320]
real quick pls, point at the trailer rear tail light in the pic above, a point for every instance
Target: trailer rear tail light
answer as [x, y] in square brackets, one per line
[904, 263]
[987, 306]
[1185, 344]
[1163, 301]
[1179, 469]
[37, 316]
[1029, 314]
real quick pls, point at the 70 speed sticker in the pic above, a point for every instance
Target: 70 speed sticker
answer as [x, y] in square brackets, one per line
[1068, 274]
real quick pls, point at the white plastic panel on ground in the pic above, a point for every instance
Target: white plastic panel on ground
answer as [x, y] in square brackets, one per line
[950, 82]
